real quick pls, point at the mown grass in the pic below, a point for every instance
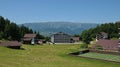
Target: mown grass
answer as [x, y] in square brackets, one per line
[102, 56]
[47, 56]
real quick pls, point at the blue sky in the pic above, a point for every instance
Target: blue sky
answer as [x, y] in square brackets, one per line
[83, 11]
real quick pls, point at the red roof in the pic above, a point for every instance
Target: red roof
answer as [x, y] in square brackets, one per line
[30, 35]
[108, 44]
[10, 43]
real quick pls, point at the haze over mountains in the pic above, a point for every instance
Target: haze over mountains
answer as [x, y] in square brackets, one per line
[49, 28]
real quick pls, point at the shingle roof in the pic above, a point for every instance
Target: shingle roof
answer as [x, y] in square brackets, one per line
[10, 43]
[108, 44]
[30, 35]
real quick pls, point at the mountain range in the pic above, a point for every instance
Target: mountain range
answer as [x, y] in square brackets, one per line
[49, 28]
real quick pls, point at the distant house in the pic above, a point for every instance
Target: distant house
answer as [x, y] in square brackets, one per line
[108, 44]
[29, 39]
[61, 37]
[41, 41]
[101, 35]
[11, 44]
[76, 39]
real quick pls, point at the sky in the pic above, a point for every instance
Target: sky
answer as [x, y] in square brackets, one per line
[82, 11]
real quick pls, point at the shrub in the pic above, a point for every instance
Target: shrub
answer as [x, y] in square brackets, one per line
[84, 46]
[99, 47]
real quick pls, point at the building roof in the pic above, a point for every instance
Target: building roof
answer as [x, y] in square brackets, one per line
[103, 33]
[27, 39]
[29, 35]
[76, 38]
[61, 33]
[108, 44]
[10, 43]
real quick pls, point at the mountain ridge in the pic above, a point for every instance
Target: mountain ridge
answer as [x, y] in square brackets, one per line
[48, 28]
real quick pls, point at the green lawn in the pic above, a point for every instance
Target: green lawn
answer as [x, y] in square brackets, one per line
[102, 56]
[47, 56]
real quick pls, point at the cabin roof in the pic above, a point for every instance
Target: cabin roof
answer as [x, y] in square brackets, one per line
[29, 35]
[10, 43]
[108, 43]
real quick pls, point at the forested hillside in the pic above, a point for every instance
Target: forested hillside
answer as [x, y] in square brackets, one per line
[11, 31]
[110, 28]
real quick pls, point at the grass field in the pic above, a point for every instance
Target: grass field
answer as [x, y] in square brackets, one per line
[102, 56]
[47, 56]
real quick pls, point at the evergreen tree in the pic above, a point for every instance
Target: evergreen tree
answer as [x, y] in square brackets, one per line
[11, 31]
[39, 36]
[2, 24]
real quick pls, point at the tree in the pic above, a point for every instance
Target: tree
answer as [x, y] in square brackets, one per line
[47, 38]
[86, 37]
[76, 35]
[1, 35]
[11, 31]
[2, 24]
[40, 36]
[110, 28]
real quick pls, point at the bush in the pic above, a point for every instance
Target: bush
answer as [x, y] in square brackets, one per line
[99, 47]
[84, 46]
